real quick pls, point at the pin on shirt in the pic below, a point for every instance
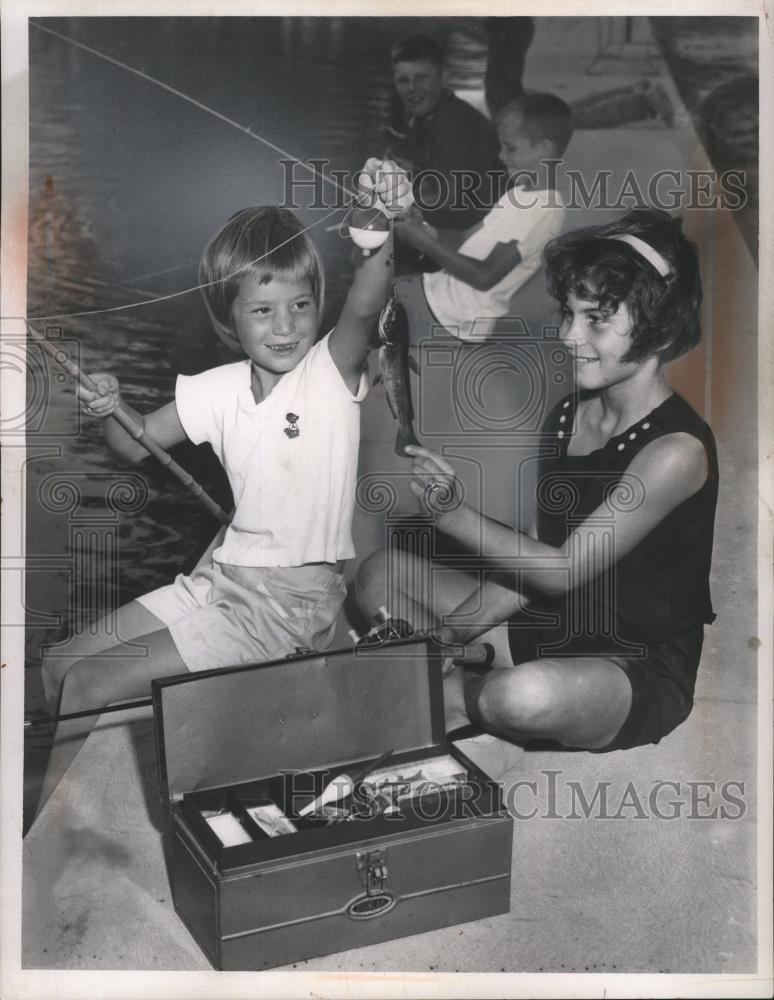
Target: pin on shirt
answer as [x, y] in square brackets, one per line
[292, 430]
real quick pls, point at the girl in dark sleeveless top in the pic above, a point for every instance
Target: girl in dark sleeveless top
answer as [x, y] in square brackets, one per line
[597, 614]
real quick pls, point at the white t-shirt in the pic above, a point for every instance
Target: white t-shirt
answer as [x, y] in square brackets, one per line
[530, 217]
[294, 496]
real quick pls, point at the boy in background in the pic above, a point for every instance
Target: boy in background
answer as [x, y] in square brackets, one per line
[447, 147]
[476, 283]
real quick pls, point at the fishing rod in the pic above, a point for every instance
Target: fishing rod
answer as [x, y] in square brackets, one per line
[131, 426]
[332, 180]
[481, 654]
[50, 720]
[368, 233]
[119, 414]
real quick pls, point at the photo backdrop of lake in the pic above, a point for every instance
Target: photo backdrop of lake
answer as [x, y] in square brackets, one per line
[127, 183]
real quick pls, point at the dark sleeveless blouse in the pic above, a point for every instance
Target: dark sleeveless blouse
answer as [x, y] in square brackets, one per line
[661, 588]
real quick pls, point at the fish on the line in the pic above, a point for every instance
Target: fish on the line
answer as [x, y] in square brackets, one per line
[394, 365]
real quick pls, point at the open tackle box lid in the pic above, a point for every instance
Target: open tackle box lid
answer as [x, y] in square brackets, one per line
[236, 724]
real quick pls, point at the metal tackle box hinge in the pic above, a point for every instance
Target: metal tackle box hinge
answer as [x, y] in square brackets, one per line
[373, 870]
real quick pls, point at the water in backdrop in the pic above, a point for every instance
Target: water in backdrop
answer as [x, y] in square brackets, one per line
[127, 183]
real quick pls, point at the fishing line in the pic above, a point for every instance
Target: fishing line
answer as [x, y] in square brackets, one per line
[123, 418]
[134, 429]
[156, 274]
[229, 121]
[184, 291]
[196, 104]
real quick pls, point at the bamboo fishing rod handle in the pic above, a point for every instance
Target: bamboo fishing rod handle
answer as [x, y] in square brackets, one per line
[130, 425]
[136, 431]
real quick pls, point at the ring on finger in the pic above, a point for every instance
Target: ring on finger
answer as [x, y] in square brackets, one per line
[434, 486]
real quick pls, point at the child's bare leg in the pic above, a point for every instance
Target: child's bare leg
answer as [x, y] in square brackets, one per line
[579, 702]
[411, 588]
[128, 622]
[100, 680]
[454, 684]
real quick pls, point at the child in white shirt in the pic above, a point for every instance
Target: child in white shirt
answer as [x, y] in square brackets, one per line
[476, 283]
[285, 423]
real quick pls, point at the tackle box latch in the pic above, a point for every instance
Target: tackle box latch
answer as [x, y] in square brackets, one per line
[373, 870]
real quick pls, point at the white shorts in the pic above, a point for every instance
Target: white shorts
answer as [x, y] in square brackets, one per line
[222, 615]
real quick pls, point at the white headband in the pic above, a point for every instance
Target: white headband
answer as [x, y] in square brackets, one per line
[645, 250]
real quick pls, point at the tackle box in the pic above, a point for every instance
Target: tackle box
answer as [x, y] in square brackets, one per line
[232, 740]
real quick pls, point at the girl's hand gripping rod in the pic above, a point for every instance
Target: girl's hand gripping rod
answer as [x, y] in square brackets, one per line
[132, 427]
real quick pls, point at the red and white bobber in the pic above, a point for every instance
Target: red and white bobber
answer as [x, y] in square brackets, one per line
[368, 227]
[369, 222]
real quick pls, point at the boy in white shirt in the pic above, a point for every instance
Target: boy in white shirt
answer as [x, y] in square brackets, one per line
[499, 255]
[285, 423]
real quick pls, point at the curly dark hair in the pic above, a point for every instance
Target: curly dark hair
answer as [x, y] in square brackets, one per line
[593, 265]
